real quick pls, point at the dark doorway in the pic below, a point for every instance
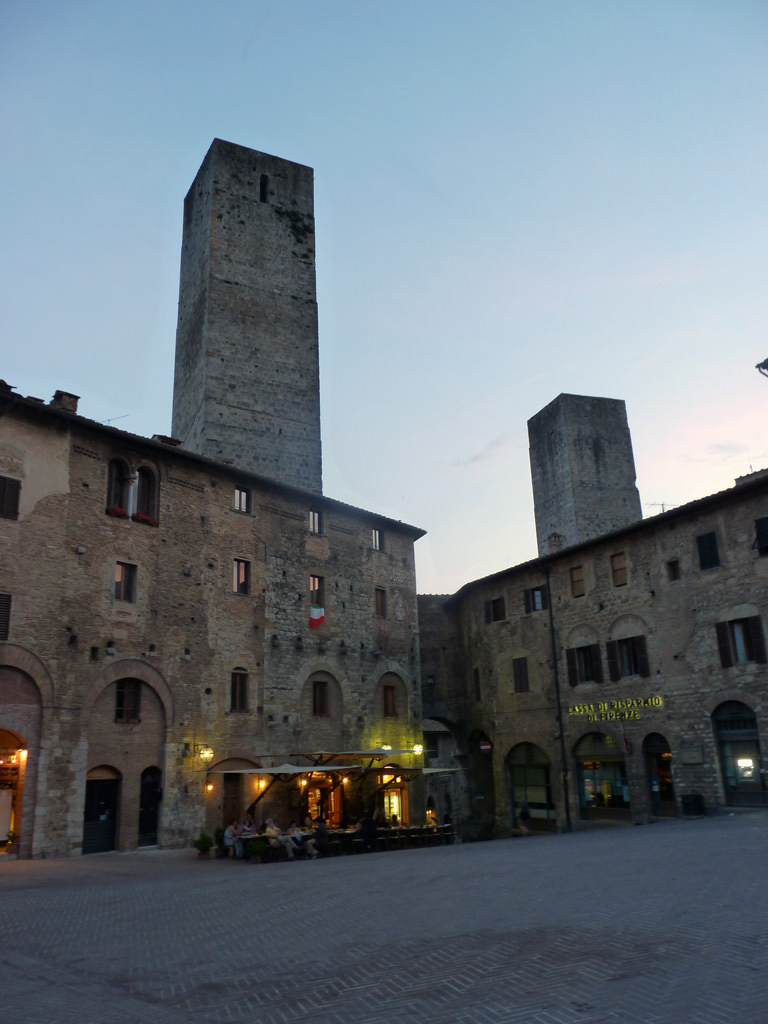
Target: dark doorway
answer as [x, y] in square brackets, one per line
[232, 804]
[603, 789]
[149, 806]
[658, 770]
[530, 784]
[739, 748]
[102, 797]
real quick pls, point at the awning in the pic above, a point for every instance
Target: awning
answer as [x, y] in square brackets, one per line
[289, 769]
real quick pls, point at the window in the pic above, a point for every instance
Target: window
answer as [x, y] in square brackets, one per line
[264, 188]
[673, 569]
[125, 582]
[5, 616]
[761, 536]
[476, 681]
[241, 576]
[577, 581]
[584, 664]
[9, 497]
[708, 554]
[376, 540]
[238, 690]
[118, 486]
[320, 698]
[381, 603]
[741, 641]
[128, 701]
[146, 494]
[242, 499]
[495, 610]
[317, 591]
[315, 521]
[520, 674]
[619, 569]
[389, 693]
[536, 599]
[627, 657]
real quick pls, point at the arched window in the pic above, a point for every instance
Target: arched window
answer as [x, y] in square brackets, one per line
[146, 493]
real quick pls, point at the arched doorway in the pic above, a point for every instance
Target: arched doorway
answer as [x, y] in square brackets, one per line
[13, 759]
[738, 745]
[102, 799]
[149, 805]
[602, 776]
[658, 772]
[529, 783]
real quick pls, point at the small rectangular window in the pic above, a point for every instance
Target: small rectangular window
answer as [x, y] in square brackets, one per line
[241, 576]
[376, 540]
[709, 557]
[128, 701]
[238, 691]
[535, 599]
[741, 641]
[315, 521]
[496, 610]
[584, 664]
[761, 536]
[5, 616]
[10, 490]
[619, 569]
[390, 700]
[520, 674]
[673, 569]
[125, 582]
[577, 581]
[317, 591]
[381, 603]
[242, 499]
[320, 698]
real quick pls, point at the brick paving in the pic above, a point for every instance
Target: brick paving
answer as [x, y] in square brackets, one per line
[660, 924]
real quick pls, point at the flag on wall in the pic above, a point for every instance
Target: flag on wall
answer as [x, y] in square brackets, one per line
[316, 616]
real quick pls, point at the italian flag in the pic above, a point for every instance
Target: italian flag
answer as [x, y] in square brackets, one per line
[316, 616]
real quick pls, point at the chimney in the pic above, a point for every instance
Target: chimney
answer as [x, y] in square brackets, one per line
[65, 401]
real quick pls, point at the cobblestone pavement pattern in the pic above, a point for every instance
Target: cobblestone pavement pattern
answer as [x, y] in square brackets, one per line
[663, 924]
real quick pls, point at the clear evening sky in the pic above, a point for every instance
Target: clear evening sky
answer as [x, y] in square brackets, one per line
[513, 200]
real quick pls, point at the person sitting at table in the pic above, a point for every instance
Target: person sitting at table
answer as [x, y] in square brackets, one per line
[321, 839]
[277, 839]
[369, 834]
[232, 840]
[303, 844]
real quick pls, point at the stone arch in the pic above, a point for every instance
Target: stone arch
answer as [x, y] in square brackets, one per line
[322, 710]
[529, 776]
[626, 626]
[130, 668]
[18, 657]
[391, 697]
[737, 735]
[582, 635]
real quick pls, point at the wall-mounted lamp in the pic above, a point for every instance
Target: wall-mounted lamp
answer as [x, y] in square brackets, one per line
[202, 750]
[418, 748]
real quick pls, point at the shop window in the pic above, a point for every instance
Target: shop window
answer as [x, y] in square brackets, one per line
[128, 701]
[238, 691]
[242, 499]
[577, 581]
[381, 603]
[619, 569]
[320, 698]
[761, 536]
[741, 641]
[9, 497]
[241, 576]
[389, 694]
[125, 582]
[520, 674]
[315, 521]
[627, 657]
[536, 599]
[5, 616]
[495, 610]
[709, 557]
[584, 664]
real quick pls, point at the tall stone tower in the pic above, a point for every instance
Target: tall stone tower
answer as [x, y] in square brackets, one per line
[582, 470]
[247, 380]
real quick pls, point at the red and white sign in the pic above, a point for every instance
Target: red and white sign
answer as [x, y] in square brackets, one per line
[485, 746]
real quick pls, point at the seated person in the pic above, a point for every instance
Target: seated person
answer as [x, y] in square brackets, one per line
[303, 844]
[277, 839]
[233, 844]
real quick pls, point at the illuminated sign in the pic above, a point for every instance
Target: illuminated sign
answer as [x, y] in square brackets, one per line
[615, 710]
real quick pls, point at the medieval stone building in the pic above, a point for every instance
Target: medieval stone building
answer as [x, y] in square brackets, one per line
[621, 675]
[179, 618]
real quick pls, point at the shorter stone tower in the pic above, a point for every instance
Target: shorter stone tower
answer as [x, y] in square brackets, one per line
[582, 470]
[247, 381]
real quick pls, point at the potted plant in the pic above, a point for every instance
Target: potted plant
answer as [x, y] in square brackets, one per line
[203, 844]
[255, 849]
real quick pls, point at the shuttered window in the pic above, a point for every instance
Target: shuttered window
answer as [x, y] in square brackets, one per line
[9, 497]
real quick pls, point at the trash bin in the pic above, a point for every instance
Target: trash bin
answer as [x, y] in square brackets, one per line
[693, 805]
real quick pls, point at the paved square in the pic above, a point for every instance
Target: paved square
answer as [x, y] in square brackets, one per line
[660, 924]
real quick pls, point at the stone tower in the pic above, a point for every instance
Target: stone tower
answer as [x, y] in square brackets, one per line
[247, 381]
[582, 470]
